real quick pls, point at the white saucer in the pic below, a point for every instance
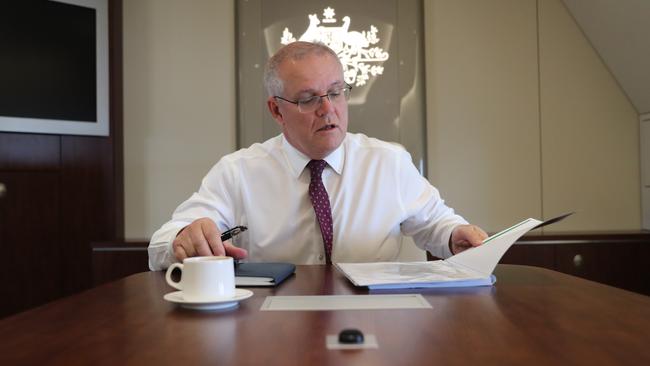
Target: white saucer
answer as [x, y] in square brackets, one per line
[226, 303]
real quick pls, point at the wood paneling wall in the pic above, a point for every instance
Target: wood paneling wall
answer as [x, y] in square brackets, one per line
[62, 192]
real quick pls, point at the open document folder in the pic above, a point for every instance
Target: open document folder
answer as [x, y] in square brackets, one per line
[472, 267]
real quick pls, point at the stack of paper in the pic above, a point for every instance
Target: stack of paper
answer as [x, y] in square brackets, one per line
[395, 275]
[472, 267]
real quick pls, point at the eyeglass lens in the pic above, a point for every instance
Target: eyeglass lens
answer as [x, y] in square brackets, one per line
[311, 104]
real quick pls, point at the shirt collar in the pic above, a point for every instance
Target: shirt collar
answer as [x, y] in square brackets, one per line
[298, 161]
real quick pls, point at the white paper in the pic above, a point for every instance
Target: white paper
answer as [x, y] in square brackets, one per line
[484, 258]
[345, 302]
[380, 273]
[472, 267]
[332, 342]
[254, 281]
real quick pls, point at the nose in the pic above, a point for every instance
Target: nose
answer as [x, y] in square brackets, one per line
[326, 106]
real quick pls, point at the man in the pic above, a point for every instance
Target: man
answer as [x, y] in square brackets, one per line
[314, 194]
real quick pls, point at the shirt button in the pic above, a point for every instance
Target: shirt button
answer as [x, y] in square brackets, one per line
[320, 257]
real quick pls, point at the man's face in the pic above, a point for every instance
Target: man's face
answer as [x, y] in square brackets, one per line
[317, 133]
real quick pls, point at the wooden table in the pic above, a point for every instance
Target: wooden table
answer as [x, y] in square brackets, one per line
[532, 316]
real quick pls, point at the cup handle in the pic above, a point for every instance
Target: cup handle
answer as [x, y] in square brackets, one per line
[168, 276]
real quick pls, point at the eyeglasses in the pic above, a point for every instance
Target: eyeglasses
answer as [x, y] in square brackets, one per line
[314, 102]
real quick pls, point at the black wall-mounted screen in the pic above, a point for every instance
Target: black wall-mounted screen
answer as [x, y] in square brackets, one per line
[47, 61]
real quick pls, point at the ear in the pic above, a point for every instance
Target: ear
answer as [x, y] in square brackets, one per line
[274, 108]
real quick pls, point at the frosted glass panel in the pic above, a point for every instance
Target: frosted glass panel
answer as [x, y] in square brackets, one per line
[384, 65]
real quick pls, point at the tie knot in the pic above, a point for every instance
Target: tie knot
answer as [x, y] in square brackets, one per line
[316, 167]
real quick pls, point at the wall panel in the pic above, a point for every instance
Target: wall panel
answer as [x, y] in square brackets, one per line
[482, 108]
[590, 132]
[179, 103]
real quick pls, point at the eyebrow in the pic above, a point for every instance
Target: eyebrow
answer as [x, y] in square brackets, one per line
[336, 84]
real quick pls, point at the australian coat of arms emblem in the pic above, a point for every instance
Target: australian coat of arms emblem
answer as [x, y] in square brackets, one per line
[355, 49]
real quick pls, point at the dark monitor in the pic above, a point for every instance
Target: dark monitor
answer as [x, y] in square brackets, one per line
[49, 63]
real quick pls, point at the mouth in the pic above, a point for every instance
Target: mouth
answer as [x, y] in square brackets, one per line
[327, 127]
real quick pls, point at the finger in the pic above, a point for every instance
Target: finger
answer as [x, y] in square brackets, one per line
[471, 235]
[461, 234]
[235, 252]
[482, 234]
[199, 243]
[179, 252]
[477, 235]
[473, 239]
[460, 246]
[213, 236]
[184, 241]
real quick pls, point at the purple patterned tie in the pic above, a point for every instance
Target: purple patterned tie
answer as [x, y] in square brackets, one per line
[321, 202]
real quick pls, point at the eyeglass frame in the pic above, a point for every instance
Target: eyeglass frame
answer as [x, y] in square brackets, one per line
[298, 102]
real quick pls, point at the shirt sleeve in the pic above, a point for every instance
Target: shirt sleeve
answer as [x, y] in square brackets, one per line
[427, 218]
[213, 200]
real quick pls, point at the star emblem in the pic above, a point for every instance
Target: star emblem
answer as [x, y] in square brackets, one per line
[328, 13]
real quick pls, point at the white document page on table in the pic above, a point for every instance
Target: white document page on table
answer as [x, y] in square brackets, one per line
[345, 302]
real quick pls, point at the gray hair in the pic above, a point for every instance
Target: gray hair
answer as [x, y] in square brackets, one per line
[293, 51]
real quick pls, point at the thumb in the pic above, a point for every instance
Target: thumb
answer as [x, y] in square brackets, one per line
[235, 252]
[478, 235]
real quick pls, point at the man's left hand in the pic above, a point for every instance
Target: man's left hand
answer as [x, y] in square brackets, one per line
[466, 236]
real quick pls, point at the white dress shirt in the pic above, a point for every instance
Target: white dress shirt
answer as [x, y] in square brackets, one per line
[376, 195]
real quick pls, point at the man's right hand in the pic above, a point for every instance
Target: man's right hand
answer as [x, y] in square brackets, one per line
[202, 238]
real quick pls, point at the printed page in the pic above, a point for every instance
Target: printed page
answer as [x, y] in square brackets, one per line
[381, 273]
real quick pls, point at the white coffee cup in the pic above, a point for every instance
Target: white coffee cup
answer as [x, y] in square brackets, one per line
[204, 278]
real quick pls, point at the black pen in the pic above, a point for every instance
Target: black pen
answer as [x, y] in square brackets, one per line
[228, 234]
[232, 232]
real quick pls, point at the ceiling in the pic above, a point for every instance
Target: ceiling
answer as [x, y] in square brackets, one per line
[619, 30]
